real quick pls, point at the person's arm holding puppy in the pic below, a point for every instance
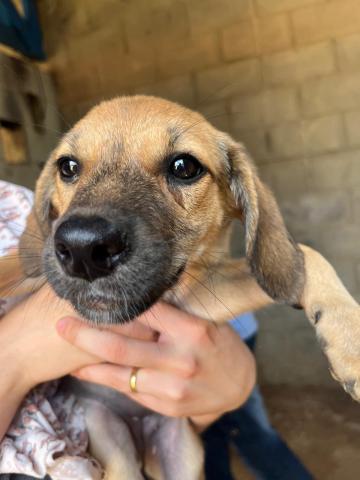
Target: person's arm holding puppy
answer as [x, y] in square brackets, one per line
[187, 371]
[31, 351]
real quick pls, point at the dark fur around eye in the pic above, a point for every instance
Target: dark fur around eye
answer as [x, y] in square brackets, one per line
[69, 168]
[184, 168]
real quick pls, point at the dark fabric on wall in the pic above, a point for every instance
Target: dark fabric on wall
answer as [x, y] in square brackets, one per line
[22, 33]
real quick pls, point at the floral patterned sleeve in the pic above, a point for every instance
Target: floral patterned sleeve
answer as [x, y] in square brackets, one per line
[15, 206]
[48, 434]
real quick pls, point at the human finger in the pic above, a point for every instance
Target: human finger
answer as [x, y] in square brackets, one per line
[118, 349]
[169, 320]
[133, 329]
[155, 383]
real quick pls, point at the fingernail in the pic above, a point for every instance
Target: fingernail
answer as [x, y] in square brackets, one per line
[62, 324]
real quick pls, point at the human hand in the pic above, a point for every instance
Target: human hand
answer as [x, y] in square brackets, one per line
[31, 348]
[194, 368]
[31, 352]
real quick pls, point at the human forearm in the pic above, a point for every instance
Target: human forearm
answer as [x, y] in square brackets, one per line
[14, 381]
[31, 352]
[12, 391]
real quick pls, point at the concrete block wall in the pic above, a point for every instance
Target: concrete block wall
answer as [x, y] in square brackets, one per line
[283, 76]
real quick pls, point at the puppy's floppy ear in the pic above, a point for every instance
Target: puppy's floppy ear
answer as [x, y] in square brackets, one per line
[274, 258]
[37, 228]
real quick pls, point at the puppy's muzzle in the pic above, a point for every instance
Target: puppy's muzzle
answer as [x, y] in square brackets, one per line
[90, 247]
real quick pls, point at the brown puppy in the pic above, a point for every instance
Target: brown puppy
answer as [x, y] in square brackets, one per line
[144, 189]
[136, 203]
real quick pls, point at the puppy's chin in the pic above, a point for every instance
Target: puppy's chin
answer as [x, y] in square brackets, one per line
[102, 303]
[106, 312]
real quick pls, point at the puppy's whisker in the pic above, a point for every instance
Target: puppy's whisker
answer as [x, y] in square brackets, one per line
[23, 277]
[21, 232]
[47, 128]
[212, 293]
[62, 117]
[37, 284]
[197, 299]
[207, 118]
[158, 320]
[9, 288]
[123, 294]
[126, 302]
[210, 271]
[16, 257]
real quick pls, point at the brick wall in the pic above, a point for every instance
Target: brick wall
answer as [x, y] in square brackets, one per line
[283, 76]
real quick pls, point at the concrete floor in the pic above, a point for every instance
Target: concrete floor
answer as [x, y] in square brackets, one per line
[322, 425]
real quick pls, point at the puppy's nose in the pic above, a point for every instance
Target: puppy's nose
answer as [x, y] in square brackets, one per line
[89, 247]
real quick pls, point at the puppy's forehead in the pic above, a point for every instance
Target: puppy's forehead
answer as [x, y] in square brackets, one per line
[142, 129]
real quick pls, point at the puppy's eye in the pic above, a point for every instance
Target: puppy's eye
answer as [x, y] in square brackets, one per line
[69, 168]
[185, 167]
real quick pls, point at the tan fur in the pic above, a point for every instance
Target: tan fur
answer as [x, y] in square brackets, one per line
[12, 282]
[141, 130]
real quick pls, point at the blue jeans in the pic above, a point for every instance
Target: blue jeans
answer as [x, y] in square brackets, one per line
[261, 448]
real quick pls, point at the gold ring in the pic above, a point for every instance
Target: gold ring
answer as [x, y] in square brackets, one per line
[133, 379]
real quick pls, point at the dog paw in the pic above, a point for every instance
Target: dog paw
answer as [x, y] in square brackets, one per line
[338, 333]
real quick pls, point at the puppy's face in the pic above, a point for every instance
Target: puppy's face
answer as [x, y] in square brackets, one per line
[134, 196]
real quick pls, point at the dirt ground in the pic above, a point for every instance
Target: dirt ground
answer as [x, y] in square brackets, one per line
[321, 425]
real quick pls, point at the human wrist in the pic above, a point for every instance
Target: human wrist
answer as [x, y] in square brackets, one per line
[15, 344]
[12, 392]
[201, 422]
[14, 381]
